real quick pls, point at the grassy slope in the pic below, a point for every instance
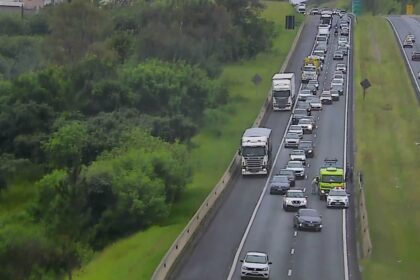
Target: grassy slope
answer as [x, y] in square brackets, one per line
[137, 256]
[387, 153]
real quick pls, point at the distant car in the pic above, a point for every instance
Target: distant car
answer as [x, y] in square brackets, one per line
[408, 44]
[306, 125]
[326, 97]
[299, 114]
[315, 11]
[320, 53]
[411, 38]
[337, 82]
[304, 94]
[315, 103]
[312, 87]
[344, 49]
[314, 82]
[255, 264]
[415, 56]
[344, 32]
[308, 219]
[338, 55]
[338, 75]
[291, 140]
[297, 167]
[308, 147]
[294, 199]
[298, 155]
[289, 174]
[296, 129]
[335, 95]
[341, 67]
[279, 185]
[338, 88]
[338, 198]
[342, 40]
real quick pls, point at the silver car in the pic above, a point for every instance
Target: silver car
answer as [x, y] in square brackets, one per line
[338, 198]
[304, 93]
[341, 67]
[291, 140]
[298, 155]
[326, 97]
[315, 103]
[296, 129]
[306, 125]
[255, 264]
[297, 167]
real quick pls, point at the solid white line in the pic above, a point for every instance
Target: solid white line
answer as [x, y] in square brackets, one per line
[345, 259]
[289, 273]
[254, 214]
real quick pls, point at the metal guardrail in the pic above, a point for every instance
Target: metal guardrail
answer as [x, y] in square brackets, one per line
[200, 216]
[364, 223]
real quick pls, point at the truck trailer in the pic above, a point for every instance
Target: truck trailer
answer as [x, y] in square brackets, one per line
[283, 91]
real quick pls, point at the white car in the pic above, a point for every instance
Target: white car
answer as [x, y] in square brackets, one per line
[341, 67]
[338, 198]
[337, 82]
[294, 199]
[315, 103]
[291, 140]
[255, 264]
[298, 155]
[303, 94]
[342, 41]
[339, 76]
[297, 167]
[306, 125]
[296, 129]
[326, 97]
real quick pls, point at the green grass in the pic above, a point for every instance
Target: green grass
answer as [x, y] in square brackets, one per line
[387, 130]
[137, 256]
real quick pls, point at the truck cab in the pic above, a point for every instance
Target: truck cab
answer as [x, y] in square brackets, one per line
[331, 176]
[255, 151]
[283, 91]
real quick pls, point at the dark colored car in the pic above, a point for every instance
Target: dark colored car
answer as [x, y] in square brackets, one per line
[300, 114]
[290, 175]
[415, 56]
[279, 185]
[308, 219]
[308, 147]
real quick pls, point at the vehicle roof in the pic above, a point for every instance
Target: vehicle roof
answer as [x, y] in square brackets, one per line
[297, 152]
[296, 190]
[256, 253]
[257, 132]
[308, 211]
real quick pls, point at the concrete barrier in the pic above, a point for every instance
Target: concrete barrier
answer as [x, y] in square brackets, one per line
[364, 223]
[200, 216]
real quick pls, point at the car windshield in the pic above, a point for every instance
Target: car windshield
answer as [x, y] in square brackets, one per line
[305, 91]
[308, 213]
[294, 165]
[297, 152]
[280, 179]
[305, 121]
[253, 151]
[337, 193]
[292, 135]
[295, 194]
[308, 68]
[281, 93]
[295, 127]
[332, 179]
[286, 172]
[255, 259]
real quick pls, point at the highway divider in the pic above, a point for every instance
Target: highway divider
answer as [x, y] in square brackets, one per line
[413, 77]
[364, 223]
[186, 236]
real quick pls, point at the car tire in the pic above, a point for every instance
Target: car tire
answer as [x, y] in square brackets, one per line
[285, 208]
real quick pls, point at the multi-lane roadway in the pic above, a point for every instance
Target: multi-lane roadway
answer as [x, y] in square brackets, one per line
[249, 218]
[405, 25]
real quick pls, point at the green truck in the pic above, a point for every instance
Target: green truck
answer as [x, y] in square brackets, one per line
[330, 176]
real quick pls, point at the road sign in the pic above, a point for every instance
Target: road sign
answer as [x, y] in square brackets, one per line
[356, 7]
[365, 85]
[256, 79]
[409, 8]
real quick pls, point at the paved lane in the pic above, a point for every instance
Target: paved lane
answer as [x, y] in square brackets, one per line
[212, 253]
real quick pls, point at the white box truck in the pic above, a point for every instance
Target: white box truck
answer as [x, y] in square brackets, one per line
[283, 91]
[255, 151]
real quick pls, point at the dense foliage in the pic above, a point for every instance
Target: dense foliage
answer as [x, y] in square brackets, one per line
[97, 107]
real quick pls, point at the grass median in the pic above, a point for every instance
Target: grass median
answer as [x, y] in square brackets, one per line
[388, 152]
[137, 256]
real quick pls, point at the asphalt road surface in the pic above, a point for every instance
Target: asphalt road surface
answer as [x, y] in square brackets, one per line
[295, 255]
[405, 25]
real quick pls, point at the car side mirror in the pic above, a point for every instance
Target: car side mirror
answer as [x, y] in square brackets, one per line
[241, 261]
[306, 196]
[349, 194]
[320, 216]
[270, 262]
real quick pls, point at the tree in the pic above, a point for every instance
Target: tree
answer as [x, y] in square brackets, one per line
[64, 148]
[74, 27]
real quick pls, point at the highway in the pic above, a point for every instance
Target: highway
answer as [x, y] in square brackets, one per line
[403, 26]
[295, 255]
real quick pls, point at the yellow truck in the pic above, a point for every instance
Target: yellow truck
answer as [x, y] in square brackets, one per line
[330, 176]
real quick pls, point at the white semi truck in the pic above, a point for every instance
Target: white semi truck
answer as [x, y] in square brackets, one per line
[283, 91]
[255, 151]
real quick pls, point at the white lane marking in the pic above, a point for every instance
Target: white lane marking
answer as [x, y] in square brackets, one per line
[292, 252]
[295, 234]
[289, 273]
[345, 259]
[254, 213]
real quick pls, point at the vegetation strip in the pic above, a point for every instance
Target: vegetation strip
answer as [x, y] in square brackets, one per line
[388, 136]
